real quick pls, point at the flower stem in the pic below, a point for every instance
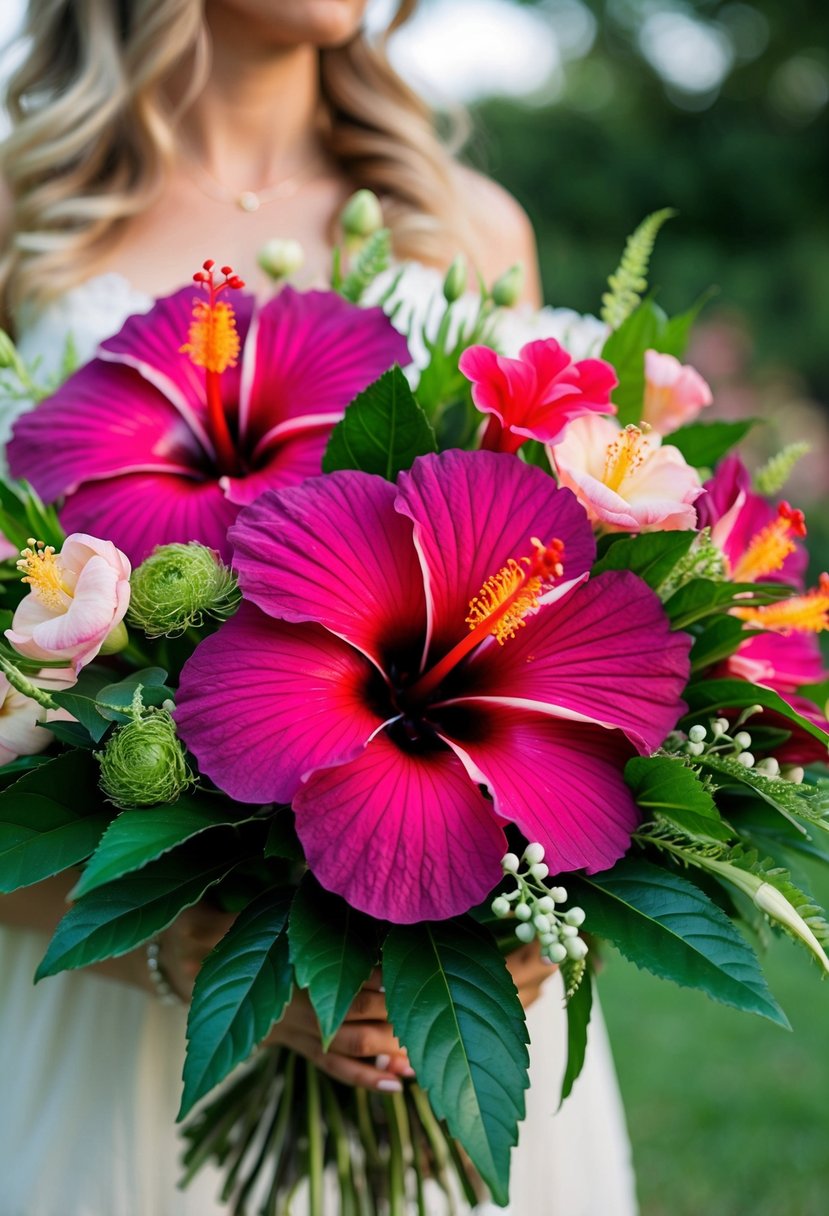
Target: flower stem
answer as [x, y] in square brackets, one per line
[397, 1175]
[315, 1146]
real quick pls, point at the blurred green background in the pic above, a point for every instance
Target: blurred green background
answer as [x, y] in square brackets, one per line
[721, 110]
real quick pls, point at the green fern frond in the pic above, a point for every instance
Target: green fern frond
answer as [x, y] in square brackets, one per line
[573, 972]
[808, 803]
[778, 469]
[372, 260]
[629, 282]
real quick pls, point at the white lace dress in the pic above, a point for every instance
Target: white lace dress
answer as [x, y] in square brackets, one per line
[90, 1069]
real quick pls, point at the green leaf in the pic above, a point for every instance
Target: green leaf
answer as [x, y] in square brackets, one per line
[665, 786]
[652, 555]
[716, 642]
[50, 819]
[802, 802]
[625, 349]
[282, 839]
[711, 697]
[579, 1008]
[114, 919]
[113, 701]
[333, 950]
[674, 337]
[85, 710]
[138, 837]
[382, 431]
[702, 597]
[664, 923]
[452, 1003]
[703, 444]
[242, 990]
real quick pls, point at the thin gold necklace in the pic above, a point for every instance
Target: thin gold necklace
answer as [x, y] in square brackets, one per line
[251, 200]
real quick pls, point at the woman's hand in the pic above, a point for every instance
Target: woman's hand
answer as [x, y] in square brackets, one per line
[364, 1050]
[184, 946]
[529, 972]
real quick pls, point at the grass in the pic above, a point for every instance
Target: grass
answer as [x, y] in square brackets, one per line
[728, 1114]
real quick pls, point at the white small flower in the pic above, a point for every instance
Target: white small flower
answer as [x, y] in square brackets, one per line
[695, 749]
[793, 773]
[559, 894]
[542, 923]
[746, 759]
[546, 904]
[768, 767]
[523, 911]
[720, 727]
[547, 939]
[575, 916]
[568, 930]
[510, 863]
[556, 953]
[742, 738]
[540, 871]
[534, 853]
[501, 906]
[525, 932]
[697, 733]
[576, 948]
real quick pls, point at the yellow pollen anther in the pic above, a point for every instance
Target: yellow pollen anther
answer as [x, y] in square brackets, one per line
[508, 596]
[40, 569]
[213, 337]
[807, 613]
[623, 456]
[769, 548]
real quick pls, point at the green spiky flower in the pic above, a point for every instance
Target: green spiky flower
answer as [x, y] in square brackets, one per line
[143, 762]
[177, 587]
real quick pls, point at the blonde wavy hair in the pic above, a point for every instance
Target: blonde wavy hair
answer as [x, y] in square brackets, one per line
[93, 135]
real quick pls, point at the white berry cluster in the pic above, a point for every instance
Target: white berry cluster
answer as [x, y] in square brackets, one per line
[716, 740]
[535, 907]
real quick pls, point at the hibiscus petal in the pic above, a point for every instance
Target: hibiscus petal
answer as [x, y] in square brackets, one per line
[561, 782]
[308, 355]
[402, 836]
[152, 342]
[141, 510]
[335, 551]
[288, 464]
[298, 699]
[605, 654]
[472, 512]
[102, 421]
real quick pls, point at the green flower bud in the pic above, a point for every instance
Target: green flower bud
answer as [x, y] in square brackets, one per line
[506, 291]
[281, 258]
[8, 351]
[454, 285]
[178, 586]
[143, 762]
[362, 215]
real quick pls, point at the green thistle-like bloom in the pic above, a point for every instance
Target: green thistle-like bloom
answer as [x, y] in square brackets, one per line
[177, 587]
[144, 762]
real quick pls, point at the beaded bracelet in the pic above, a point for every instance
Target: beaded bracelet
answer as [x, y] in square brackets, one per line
[162, 987]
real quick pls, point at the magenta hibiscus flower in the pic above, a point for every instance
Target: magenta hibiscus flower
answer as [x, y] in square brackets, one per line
[190, 412]
[361, 680]
[537, 394]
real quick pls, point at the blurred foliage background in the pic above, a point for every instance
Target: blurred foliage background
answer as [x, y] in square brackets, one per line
[720, 109]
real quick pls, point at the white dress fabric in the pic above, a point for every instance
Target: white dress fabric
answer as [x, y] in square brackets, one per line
[90, 1069]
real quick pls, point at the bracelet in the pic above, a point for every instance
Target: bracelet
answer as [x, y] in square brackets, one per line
[159, 979]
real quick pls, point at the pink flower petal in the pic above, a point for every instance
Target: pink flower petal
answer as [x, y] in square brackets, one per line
[142, 510]
[152, 342]
[782, 662]
[402, 836]
[314, 351]
[604, 653]
[334, 550]
[261, 704]
[473, 511]
[103, 421]
[561, 782]
[289, 463]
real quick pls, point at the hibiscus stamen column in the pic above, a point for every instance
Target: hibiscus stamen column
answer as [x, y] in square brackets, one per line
[213, 344]
[499, 608]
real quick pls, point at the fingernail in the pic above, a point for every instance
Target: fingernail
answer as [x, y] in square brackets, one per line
[381, 988]
[390, 1087]
[408, 1071]
[382, 1062]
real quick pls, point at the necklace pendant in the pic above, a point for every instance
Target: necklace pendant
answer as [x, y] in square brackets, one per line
[248, 200]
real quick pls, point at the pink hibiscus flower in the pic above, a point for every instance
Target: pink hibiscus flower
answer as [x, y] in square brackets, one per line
[361, 680]
[537, 394]
[674, 393]
[189, 413]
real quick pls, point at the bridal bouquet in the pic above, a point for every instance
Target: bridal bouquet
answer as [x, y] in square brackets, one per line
[405, 664]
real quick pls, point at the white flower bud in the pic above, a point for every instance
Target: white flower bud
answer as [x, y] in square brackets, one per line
[695, 749]
[697, 733]
[281, 258]
[568, 930]
[362, 215]
[523, 911]
[556, 953]
[793, 773]
[500, 906]
[540, 870]
[534, 853]
[547, 939]
[771, 901]
[575, 916]
[559, 894]
[510, 863]
[768, 767]
[720, 726]
[542, 923]
[524, 933]
[742, 738]
[546, 904]
[576, 947]
[746, 759]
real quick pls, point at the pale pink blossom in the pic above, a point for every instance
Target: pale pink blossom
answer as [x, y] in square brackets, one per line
[22, 732]
[77, 599]
[625, 478]
[674, 393]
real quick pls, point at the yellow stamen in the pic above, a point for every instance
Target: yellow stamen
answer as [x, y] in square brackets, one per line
[807, 613]
[624, 456]
[213, 337]
[770, 547]
[42, 572]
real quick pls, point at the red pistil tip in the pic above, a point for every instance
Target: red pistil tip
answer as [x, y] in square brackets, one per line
[796, 519]
[209, 264]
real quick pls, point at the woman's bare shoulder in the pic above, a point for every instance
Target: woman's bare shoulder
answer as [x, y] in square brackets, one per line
[499, 229]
